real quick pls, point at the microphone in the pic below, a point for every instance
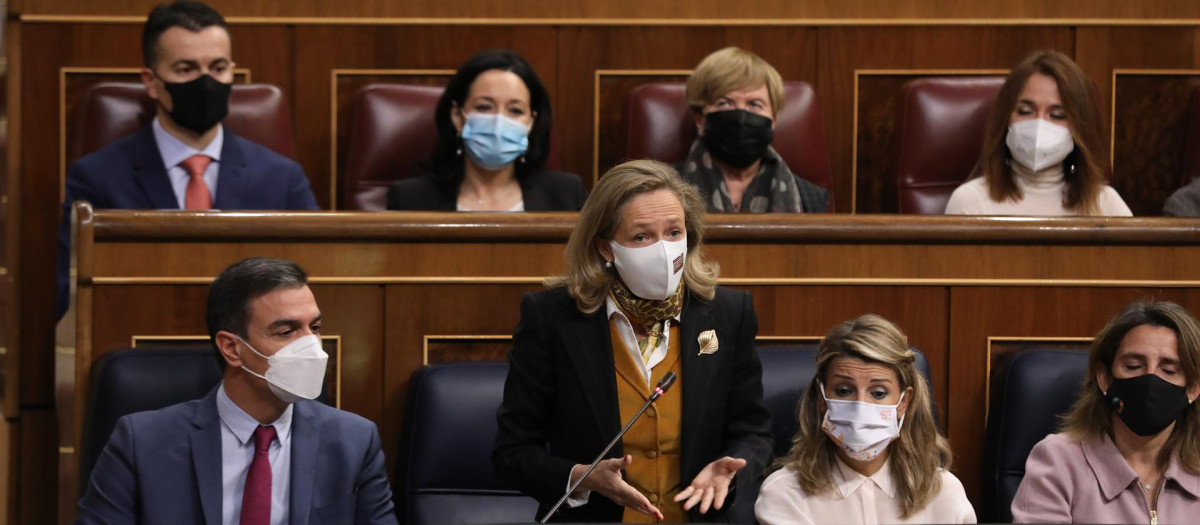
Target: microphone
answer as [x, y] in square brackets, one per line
[661, 388]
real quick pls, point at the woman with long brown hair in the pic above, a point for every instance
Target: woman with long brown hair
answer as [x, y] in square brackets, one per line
[1043, 153]
[1129, 451]
[868, 450]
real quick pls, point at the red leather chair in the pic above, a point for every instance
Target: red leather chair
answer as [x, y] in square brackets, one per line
[661, 127]
[392, 133]
[1191, 150]
[111, 110]
[940, 129]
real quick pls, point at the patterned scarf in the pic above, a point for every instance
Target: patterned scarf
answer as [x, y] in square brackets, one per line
[773, 190]
[652, 316]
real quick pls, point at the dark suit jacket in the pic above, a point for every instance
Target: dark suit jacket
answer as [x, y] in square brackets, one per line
[542, 191]
[164, 466]
[560, 403]
[129, 174]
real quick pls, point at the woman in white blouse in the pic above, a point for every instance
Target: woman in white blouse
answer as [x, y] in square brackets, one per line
[1043, 152]
[867, 450]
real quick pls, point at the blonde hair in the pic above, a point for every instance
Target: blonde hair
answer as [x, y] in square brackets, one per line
[1091, 416]
[915, 457]
[587, 279]
[730, 69]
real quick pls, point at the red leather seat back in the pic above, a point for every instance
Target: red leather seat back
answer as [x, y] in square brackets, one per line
[392, 132]
[662, 127]
[1191, 150]
[111, 110]
[941, 125]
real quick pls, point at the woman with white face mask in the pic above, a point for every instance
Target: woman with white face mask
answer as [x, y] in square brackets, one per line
[868, 450]
[639, 300]
[493, 129]
[1043, 152]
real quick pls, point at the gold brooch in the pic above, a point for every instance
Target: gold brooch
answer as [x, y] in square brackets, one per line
[708, 342]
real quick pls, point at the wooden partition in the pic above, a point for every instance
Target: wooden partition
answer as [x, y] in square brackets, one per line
[399, 290]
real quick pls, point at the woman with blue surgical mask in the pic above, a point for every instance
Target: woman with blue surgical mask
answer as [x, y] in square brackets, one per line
[1043, 152]
[868, 450]
[493, 127]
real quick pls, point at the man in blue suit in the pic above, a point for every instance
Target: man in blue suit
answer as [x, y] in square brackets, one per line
[255, 450]
[185, 159]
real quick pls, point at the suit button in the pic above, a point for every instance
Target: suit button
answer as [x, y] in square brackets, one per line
[651, 454]
[652, 412]
[653, 498]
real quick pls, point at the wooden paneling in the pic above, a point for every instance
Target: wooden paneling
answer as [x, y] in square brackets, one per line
[403, 289]
[846, 50]
[760, 11]
[1150, 129]
[979, 313]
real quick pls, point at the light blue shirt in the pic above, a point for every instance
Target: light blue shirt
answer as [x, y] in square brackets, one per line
[174, 151]
[237, 452]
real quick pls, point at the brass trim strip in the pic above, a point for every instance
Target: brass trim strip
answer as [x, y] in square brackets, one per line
[987, 385]
[66, 450]
[62, 109]
[333, 113]
[647, 22]
[1112, 128]
[893, 72]
[740, 281]
[596, 103]
[455, 337]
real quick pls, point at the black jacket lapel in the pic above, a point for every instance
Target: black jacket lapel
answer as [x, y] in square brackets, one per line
[587, 342]
[699, 371]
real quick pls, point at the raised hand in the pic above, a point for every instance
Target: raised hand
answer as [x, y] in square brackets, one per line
[606, 479]
[711, 485]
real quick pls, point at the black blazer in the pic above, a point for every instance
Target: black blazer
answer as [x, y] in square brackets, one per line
[560, 403]
[542, 191]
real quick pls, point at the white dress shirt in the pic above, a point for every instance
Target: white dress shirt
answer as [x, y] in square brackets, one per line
[855, 499]
[237, 452]
[174, 151]
[625, 330]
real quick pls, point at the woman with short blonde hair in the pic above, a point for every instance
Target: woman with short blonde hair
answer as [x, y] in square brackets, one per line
[735, 97]
[1129, 450]
[866, 425]
[639, 301]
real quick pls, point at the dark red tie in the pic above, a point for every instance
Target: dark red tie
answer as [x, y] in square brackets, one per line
[256, 498]
[197, 196]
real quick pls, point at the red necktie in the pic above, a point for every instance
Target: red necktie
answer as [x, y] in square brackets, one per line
[197, 196]
[256, 497]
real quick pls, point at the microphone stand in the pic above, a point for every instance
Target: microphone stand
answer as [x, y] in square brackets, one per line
[659, 390]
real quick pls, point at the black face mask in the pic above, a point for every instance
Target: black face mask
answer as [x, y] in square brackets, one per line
[199, 104]
[737, 137]
[1147, 404]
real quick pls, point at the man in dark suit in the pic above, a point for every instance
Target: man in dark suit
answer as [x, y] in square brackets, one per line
[257, 449]
[185, 159]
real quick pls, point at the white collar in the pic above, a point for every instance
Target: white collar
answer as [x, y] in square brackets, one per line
[174, 151]
[847, 480]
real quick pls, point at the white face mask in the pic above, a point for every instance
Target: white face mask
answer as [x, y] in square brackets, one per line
[296, 371]
[1038, 144]
[651, 272]
[863, 430]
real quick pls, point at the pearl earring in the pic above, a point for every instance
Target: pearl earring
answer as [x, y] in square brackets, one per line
[608, 264]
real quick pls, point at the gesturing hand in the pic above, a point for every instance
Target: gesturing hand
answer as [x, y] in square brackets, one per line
[711, 485]
[606, 479]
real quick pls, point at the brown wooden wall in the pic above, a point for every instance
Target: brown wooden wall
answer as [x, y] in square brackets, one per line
[1143, 57]
[402, 289]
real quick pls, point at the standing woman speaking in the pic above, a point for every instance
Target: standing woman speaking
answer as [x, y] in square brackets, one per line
[639, 300]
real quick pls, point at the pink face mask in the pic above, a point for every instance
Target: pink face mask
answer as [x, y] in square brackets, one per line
[862, 429]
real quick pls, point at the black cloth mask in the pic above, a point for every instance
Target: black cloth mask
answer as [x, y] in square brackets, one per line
[198, 104]
[737, 137]
[1147, 404]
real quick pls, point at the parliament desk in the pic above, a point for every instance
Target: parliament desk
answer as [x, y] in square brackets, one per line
[399, 290]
